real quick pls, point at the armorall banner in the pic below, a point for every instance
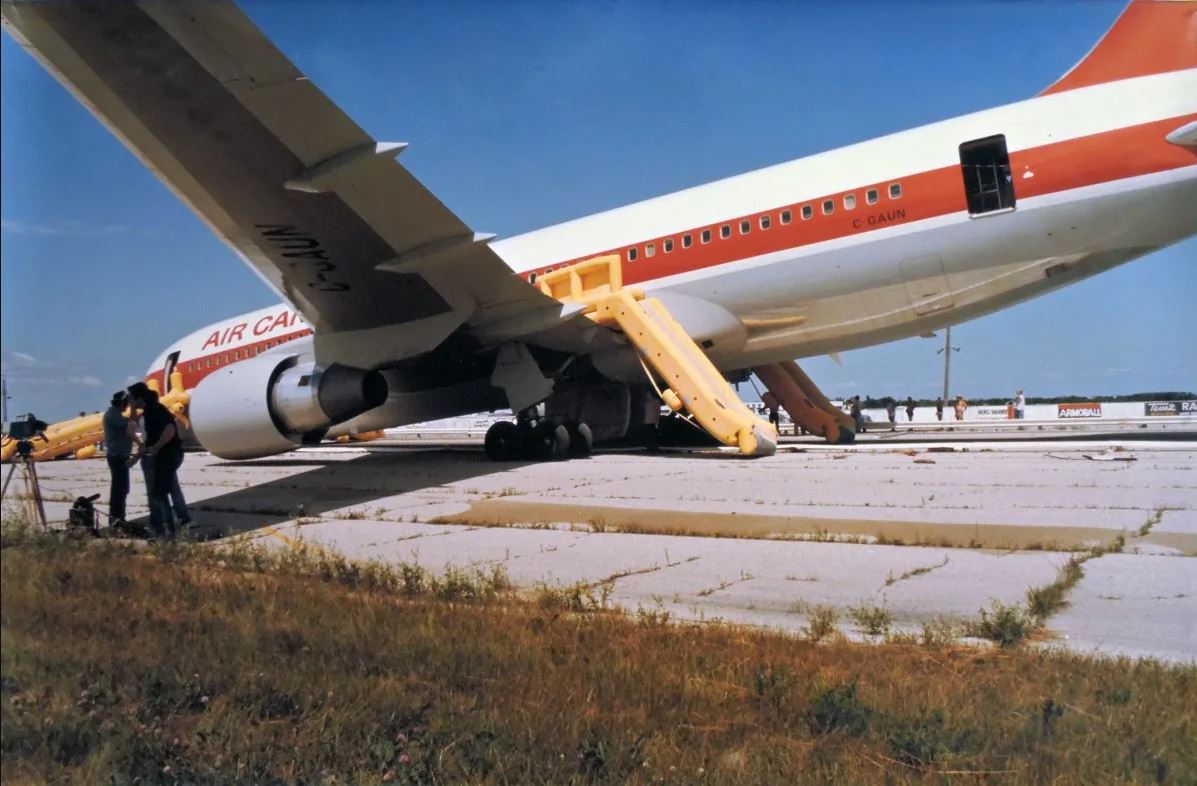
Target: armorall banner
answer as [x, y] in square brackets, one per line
[1079, 410]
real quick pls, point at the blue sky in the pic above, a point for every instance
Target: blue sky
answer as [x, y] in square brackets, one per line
[521, 115]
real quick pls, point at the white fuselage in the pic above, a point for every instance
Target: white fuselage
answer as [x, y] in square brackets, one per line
[1096, 184]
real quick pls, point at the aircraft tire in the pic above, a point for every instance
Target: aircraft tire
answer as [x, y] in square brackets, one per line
[557, 441]
[503, 441]
[581, 440]
[847, 436]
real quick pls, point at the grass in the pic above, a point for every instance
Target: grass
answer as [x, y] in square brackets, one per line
[201, 664]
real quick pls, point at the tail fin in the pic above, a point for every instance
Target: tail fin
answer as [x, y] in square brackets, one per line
[1150, 37]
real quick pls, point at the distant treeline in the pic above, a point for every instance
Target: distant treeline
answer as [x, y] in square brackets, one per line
[868, 402]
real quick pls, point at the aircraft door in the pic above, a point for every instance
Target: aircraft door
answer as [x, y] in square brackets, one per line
[988, 184]
[168, 368]
[926, 284]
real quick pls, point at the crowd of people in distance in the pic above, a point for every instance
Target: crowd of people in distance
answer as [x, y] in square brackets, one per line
[138, 429]
[959, 407]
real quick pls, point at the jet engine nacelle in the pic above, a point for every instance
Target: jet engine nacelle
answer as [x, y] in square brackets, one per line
[268, 405]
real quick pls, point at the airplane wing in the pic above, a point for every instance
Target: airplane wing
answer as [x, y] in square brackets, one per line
[323, 212]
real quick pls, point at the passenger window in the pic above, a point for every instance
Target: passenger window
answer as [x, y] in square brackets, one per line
[895, 190]
[871, 196]
[687, 241]
[849, 201]
[668, 245]
[631, 255]
[706, 236]
[785, 216]
[988, 185]
[808, 212]
[650, 250]
[828, 206]
[765, 221]
[725, 231]
[745, 225]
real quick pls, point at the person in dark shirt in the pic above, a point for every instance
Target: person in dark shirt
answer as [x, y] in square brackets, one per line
[164, 447]
[120, 437]
[909, 409]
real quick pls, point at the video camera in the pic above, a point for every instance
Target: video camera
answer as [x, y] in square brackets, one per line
[23, 431]
[27, 427]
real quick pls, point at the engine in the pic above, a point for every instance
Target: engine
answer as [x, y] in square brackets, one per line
[272, 404]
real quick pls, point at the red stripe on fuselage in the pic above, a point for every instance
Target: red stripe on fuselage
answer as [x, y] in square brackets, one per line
[196, 368]
[1061, 166]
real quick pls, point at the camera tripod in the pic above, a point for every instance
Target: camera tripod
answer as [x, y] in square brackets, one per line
[34, 506]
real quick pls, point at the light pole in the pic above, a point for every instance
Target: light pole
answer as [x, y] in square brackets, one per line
[4, 398]
[947, 351]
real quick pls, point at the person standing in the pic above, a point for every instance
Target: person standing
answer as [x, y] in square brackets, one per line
[120, 435]
[1020, 406]
[857, 415]
[960, 406]
[891, 411]
[164, 449]
[909, 409]
[939, 408]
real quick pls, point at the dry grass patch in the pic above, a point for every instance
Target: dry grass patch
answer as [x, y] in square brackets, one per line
[202, 665]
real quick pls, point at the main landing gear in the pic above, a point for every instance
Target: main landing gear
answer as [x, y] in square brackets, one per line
[538, 441]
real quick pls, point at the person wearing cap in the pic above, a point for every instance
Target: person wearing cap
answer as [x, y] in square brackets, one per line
[120, 435]
[164, 449]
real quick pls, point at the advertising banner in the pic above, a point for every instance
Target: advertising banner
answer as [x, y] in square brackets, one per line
[1169, 408]
[1079, 410]
[991, 413]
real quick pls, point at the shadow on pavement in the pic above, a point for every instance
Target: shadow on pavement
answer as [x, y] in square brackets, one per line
[333, 483]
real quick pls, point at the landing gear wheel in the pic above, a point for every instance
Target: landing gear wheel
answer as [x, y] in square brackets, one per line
[503, 441]
[847, 436]
[549, 442]
[581, 440]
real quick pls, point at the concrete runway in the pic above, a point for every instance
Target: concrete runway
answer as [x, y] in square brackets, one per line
[926, 528]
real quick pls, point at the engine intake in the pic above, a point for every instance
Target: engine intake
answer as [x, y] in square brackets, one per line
[269, 405]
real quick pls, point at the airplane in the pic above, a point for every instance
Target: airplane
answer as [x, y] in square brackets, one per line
[396, 312]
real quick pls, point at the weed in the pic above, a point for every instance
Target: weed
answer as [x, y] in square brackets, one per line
[578, 598]
[772, 685]
[873, 620]
[938, 633]
[891, 579]
[821, 622]
[917, 743]
[1005, 625]
[838, 709]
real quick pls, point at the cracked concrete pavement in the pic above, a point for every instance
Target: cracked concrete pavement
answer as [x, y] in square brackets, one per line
[926, 531]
